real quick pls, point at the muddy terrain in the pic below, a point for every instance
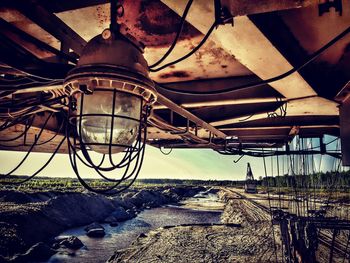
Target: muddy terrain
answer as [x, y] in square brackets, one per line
[30, 221]
[245, 235]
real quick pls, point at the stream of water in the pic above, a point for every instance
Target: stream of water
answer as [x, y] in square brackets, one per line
[202, 208]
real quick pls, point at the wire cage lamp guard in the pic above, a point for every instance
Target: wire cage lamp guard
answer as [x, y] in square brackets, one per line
[132, 155]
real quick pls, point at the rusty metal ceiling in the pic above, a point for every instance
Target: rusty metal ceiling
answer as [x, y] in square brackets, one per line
[266, 39]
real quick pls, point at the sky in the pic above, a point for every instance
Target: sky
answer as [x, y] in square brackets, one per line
[179, 164]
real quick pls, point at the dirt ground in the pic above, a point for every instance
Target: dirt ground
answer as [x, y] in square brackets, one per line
[251, 242]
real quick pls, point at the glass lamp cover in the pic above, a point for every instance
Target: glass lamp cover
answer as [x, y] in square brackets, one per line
[96, 130]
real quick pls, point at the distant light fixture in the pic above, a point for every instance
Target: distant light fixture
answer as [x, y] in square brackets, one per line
[111, 95]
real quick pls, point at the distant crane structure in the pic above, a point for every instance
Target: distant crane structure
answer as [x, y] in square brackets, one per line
[250, 184]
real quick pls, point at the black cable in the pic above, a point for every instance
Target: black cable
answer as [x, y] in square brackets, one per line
[53, 137]
[30, 149]
[109, 190]
[34, 75]
[13, 88]
[247, 118]
[165, 153]
[38, 171]
[130, 155]
[36, 104]
[261, 82]
[182, 23]
[7, 124]
[124, 162]
[27, 127]
[190, 53]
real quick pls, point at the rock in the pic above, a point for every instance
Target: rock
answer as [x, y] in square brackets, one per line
[132, 212]
[121, 215]
[93, 226]
[10, 239]
[38, 253]
[113, 224]
[148, 198]
[123, 202]
[142, 235]
[97, 232]
[212, 190]
[72, 243]
[109, 219]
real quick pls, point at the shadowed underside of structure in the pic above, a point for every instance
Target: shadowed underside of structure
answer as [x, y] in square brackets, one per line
[265, 40]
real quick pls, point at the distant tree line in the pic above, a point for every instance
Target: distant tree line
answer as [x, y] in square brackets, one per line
[191, 182]
[326, 180]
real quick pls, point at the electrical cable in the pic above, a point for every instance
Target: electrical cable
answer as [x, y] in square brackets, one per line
[29, 85]
[190, 53]
[262, 82]
[53, 137]
[38, 171]
[30, 149]
[27, 127]
[182, 23]
[165, 153]
[108, 190]
[135, 152]
[34, 75]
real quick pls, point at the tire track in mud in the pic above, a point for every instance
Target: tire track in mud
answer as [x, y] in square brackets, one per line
[251, 242]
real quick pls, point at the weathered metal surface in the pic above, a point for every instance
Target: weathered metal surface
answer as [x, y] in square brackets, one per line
[17, 57]
[286, 121]
[32, 44]
[249, 46]
[232, 56]
[331, 68]
[298, 107]
[25, 142]
[286, 131]
[154, 24]
[24, 145]
[242, 8]
[51, 23]
[318, 30]
[213, 103]
[183, 112]
[344, 98]
[17, 19]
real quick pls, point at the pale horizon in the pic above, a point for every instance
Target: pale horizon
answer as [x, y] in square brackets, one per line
[198, 164]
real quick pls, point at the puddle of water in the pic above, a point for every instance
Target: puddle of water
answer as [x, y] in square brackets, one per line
[198, 209]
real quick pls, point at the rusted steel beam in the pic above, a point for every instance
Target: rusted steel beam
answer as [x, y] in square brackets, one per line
[247, 43]
[343, 97]
[248, 7]
[214, 103]
[184, 133]
[287, 121]
[51, 23]
[21, 59]
[6, 27]
[188, 115]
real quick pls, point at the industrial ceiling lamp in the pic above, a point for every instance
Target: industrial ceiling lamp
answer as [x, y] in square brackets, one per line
[111, 94]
